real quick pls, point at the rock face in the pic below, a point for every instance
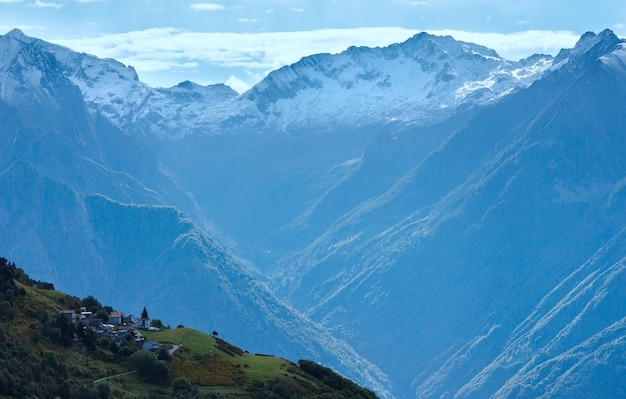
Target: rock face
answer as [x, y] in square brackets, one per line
[421, 81]
[88, 206]
[464, 246]
[455, 217]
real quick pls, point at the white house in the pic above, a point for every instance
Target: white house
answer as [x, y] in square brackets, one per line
[116, 318]
[143, 323]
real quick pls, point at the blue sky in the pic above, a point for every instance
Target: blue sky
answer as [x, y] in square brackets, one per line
[240, 41]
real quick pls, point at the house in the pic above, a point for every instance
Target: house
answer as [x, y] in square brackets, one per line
[116, 318]
[70, 315]
[85, 316]
[124, 330]
[150, 345]
[95, 323]
[143, 323]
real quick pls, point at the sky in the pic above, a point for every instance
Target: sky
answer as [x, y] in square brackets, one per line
[238, 42]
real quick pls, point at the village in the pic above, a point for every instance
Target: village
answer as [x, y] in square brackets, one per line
[118, 328]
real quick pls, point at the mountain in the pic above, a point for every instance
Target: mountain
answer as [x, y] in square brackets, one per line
[263, 181]
[426, 75]
[114, 91]
[476, 243]
[135, 255]
[94, 211]
[420, 81]
[58, 358]
[440, 221]
[47, 122]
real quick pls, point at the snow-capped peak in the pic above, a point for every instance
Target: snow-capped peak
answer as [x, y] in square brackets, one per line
[589, 48]
[422, 79]
[16, 34]
[587, 42]
[112, 88]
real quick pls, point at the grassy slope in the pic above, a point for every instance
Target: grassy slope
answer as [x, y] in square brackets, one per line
[213, 365]
[205, 356]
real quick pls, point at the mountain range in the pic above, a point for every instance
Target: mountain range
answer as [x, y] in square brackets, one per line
[428, 218]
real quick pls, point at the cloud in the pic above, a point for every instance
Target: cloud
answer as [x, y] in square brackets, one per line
[297, 9]
[41, 4]
[247, 20]
[10, 1]
[517, 45]
[207, 7]
[237, 84]
[256, 54]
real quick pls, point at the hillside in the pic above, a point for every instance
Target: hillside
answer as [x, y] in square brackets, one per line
[44, 355]
[428, 219]
[93, 209]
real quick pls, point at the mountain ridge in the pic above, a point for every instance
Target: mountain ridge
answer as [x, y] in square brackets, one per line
[129, 246]
[448, 231]
[416, 80]
[74, 217]
[458, 201]
[484, 77]
[62, 358]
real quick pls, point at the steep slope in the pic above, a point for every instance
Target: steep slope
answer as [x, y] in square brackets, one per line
[443, 217]
[420, 81]
[188, 277]
[570, 346]
[46, 122]
[134, 255]
[66, 172]
[366, 92]
[40, 358]
[115, 92]
[479, 231]
[302, 131]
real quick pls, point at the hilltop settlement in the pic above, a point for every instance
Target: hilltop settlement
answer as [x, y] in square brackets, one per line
[53, 345]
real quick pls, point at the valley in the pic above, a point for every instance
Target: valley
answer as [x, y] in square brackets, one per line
[428, 218]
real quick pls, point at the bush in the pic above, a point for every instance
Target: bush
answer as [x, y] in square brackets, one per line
[50, 359]
[6, 311]
[162, 373]
[103, 390]
[145, 362]
[106, 343]
[334, 380]
[90, 340]
[150, 368]
[128, 349]
[61, 330]
[85, 392]
[182, 388]
[163, 354]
